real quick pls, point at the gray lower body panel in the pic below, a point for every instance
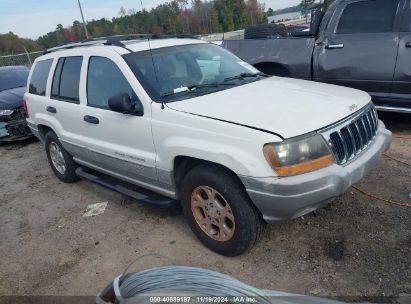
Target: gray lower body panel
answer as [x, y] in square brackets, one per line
[34, 129]
[291, 197]
[140, 175]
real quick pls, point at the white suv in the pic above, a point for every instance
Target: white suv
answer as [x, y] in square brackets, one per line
[188, 121]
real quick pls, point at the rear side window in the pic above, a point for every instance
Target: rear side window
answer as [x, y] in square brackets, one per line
[38, 80]
[104, 80]
[66, 79]
[373, 16]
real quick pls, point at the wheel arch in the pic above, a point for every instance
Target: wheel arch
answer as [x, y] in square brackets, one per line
[43, 130]
[183, 164]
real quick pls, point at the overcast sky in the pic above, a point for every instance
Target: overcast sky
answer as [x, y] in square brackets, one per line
[33, 18]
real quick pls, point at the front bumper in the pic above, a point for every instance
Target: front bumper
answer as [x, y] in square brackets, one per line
[14, 130]
[14, 126]
[291, 197]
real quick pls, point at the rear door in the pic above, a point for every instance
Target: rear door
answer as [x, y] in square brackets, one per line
[401, 89]
[63, 106]
[359, 48]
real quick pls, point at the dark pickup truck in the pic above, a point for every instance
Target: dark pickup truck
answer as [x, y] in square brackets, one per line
[363, 44]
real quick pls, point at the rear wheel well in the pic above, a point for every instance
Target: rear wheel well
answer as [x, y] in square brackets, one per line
[272, 68]
[43, 130]
[183, 164]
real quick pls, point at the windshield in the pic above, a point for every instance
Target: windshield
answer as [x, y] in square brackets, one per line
[13, 78]
[178, 72]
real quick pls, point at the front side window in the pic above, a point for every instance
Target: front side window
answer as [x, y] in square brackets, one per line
[13, 78]
[180, 72]
[105, 80]
[372, 16]
[66, 79]
[38, 80]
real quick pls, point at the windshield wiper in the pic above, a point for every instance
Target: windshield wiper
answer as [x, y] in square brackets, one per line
[194, 87]
[245, 75]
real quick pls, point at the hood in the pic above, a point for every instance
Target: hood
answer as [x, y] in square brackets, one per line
[285, 106]
[11, 99]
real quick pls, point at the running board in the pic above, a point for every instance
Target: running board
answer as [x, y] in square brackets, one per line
[115, 185]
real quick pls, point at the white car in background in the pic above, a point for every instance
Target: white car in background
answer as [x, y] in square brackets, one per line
[191, 122]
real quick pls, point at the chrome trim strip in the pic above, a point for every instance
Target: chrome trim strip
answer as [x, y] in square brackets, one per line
[364, 121]
[344, 145]
[393, 109]
[354, 146]
[360, 138]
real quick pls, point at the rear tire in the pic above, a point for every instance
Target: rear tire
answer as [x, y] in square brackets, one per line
[60, 161]
[219, 210]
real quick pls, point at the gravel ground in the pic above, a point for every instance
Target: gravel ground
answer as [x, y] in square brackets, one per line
[356, 246]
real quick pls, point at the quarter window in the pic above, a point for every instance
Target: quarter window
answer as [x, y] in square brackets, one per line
[66, 79]
[38, 80]
[373, 16]
[104, 80]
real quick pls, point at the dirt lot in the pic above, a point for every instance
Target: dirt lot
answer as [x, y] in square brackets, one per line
[356, 246]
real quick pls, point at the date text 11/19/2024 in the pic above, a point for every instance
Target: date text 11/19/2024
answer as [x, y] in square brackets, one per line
[202, 299]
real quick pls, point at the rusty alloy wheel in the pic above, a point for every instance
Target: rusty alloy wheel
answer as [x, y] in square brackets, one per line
[212, 213]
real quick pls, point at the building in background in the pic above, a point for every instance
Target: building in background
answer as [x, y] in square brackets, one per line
[284, 17]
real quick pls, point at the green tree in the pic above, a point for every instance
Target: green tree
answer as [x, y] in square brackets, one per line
[215, 22]
[225, 14]
[174, 17]
[13, 44]
[306, 7]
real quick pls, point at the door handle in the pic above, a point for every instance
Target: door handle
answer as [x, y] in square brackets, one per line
[91, 119]
[334, 46]
[51, 110]
[408, 44]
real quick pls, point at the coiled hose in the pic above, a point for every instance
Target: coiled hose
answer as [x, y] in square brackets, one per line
[180, 284]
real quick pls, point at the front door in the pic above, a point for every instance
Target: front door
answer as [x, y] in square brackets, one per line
[117, 144]
[401, 89]
[359, 48]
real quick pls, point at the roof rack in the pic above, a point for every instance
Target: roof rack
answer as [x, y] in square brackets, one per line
[115, 40]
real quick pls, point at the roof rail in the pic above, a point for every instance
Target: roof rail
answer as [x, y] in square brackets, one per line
[114, 40]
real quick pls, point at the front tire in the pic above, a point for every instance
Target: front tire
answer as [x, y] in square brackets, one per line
[219, 210]
[60, 161]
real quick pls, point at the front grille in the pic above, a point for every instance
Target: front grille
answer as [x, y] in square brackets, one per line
[350, 138]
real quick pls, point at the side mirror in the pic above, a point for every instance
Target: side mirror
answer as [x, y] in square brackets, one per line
[316, 18]
[122, 103]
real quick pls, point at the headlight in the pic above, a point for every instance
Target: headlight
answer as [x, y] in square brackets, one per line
[6, 112]
[299, 155]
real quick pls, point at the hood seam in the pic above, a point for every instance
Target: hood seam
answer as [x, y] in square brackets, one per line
[227, 121]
